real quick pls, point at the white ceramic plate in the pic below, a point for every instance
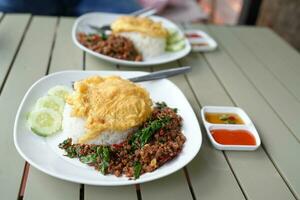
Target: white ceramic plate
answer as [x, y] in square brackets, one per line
[44, 154]
[99, 19]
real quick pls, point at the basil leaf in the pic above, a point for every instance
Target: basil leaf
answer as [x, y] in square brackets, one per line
[105, 156]
[91, 158]
[137, 168]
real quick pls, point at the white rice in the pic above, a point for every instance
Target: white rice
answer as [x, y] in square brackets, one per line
[75, 128]
[146, 45]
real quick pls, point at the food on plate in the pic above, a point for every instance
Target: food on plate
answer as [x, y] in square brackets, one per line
[175, 40]
[45, 121]
[193, 35]
[112, 125]
[52, 102]
[115, 46]
[46, 117]
[148, 36]
[111, 106]
[233, 137]
[60, 91]
[134, 39]
[223, 118]
[155, 142]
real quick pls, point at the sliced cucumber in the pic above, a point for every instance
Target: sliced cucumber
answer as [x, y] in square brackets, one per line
[176, 47]
[45, 122]
[51, 102]
[60, 91]
[172, 32]
[175, 38]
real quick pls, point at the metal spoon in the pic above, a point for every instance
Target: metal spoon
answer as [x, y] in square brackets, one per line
[161, 74]
[158, 74]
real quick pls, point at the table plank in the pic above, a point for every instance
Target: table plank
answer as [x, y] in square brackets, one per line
[279, 97]
[111, 193]
[25, 70]
[94, 63]
[276, 55]
[245, 165]
[172, 187]
[273, 132]
[65, 56]
[11, 38]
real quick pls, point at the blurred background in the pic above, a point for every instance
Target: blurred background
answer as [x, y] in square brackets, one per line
[280, 15]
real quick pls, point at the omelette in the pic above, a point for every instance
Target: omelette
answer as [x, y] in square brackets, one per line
[142, 25]
[109, 104]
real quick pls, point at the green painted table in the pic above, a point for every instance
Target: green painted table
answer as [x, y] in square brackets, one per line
[252, 68]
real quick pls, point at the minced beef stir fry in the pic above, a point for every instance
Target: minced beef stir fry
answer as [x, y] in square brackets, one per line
[111, 45]
[156, 142]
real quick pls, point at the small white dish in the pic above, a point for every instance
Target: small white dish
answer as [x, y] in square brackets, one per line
[98, 19]
[44, 154]
[203, 43]
[248, 126]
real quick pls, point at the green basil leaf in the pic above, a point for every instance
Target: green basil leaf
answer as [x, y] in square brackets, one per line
[137, 168]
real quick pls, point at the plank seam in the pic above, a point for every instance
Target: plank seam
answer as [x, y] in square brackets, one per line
[138, 192]
[262, 145]
[53, 45]
[81, 192]
[234, 174]
[15, 54]
[23, 181]
[1, 17]
[187, 176]
[83, 62]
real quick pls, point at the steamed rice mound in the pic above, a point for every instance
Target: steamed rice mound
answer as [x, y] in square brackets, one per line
[109, 105]
[149, 37]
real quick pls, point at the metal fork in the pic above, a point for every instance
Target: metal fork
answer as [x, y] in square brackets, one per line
[143, 12]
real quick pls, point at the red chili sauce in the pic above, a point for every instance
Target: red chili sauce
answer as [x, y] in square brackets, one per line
[193, 35]
[233, 137]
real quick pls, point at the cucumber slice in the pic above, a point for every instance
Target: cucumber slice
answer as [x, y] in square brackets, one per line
[51, 102]
[175, 38]
[172, 32]
[60, 91]
[176, 47]
[45, 122]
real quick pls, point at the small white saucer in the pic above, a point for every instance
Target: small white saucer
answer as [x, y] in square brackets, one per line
[248, 126]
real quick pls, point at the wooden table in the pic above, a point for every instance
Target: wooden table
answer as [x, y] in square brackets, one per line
[252, 68]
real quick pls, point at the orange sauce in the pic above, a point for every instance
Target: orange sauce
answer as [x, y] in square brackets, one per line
[223, 118]
[233, 137]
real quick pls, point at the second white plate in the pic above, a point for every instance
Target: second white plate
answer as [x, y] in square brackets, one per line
[99, 19]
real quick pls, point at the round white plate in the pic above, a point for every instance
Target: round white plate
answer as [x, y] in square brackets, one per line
[99, 19]
[44, 154]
